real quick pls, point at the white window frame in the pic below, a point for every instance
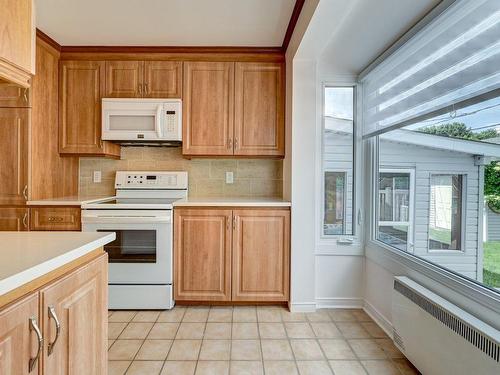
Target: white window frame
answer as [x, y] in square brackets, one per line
[345, 244]
[411, 200]
[463, 216]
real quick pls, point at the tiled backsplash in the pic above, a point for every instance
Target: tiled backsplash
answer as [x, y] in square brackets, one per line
[252, 177]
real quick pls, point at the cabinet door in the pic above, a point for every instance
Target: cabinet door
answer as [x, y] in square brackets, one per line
[259, 109]
[14, 96]
[261, 255]
[18, 338]
[81, 87]
[124, 79]
[14, 219]
[14, 155]
[202, 255]
[55, 218]
[79, 303]
[17, 41]
[207, 108]
[162, 79]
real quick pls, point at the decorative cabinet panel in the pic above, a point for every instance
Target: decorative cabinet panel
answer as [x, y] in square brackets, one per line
[82, 85]
[55, 219]
[259, 109]
[261, 261]
[19, 343]
[14, 155]
[14, 219]
[17, 41]
[232, 255]
[124, 79]
[202, 255]
[78, 305]
[207, 108]
[14, 96]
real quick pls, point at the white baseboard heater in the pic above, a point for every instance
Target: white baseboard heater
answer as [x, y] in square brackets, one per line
[438, 337]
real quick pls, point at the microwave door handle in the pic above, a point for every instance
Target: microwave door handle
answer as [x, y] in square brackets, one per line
[159, 111]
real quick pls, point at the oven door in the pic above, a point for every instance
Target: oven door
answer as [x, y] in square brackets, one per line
[142, 250]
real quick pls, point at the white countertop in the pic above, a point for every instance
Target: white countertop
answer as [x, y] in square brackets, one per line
[231, 202]
[25, 256]
[76, 200]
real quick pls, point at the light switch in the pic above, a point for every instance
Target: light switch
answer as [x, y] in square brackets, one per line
[97, 177]
[229, 178]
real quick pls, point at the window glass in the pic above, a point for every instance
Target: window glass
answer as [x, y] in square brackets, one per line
[394, 226]
[338, 161]
[445, 212]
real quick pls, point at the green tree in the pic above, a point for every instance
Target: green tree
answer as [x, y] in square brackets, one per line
[491, 171]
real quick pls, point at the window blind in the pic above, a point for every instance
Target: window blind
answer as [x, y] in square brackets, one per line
[449, 62]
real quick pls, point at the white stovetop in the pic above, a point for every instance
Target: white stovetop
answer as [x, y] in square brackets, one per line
[25, 256]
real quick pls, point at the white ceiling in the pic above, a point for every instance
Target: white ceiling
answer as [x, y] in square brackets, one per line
[165, 22]
[347, 36]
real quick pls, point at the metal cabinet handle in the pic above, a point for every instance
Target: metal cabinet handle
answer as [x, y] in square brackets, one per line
[25, 95]
[52, 314]
[146, 89]
[25, 191]
[234, 222]
[140, 89]
[25, 222]
[229, 143]
[236, 143]
[56, 218]
[34, 327]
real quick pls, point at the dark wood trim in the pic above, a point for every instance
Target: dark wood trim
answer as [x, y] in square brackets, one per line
[171, 49]
[47, 39]
[291, 25]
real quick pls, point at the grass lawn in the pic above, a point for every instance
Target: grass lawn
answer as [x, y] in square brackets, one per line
[440, 235]
[491, 264]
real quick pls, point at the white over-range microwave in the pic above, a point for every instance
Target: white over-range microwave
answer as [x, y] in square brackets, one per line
[142, 121]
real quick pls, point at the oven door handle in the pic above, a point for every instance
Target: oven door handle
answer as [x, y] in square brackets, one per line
[125, 219]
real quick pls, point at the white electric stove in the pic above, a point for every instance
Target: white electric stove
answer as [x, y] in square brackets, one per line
[140, 259]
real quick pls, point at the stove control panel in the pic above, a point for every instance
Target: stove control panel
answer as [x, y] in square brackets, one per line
[150, 180]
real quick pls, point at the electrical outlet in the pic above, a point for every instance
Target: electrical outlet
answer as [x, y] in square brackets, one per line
[229, 178]
[97, 177]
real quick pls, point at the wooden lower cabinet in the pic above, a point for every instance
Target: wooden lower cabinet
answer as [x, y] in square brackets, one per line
[79, 303]
[14, 219]
[202, 255]
[231, 255]
[55, 219]
[18, 339]
[261, 259]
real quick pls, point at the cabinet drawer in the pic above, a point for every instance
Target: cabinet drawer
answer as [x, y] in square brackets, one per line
[57, 218]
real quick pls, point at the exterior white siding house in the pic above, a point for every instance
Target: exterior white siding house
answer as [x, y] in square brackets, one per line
[492, 226]
[415, 204]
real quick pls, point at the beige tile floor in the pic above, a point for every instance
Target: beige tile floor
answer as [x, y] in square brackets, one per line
[250, 340]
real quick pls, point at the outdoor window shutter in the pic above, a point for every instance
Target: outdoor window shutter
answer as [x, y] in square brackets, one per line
[449, 62]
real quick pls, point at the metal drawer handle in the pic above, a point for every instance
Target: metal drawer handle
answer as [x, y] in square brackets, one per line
[34, 327]
[55, 218]
[52, 314]
[25, 191]
[25, 222]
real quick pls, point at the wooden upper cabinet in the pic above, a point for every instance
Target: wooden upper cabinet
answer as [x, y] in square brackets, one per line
[17, 41]
[14, 96]
[124, 79]
[259, 109]
[81, 85]
[207, 108]
[18, 340]
[163, 79]
[261, 255]
[202, 255]
[14, 155]
[79, 303]
[14, 219]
